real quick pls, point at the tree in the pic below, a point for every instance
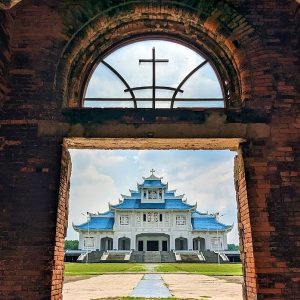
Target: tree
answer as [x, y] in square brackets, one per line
[71, 245]
[233, 247]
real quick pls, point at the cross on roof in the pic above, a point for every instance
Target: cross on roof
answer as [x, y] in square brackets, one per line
[153, 61]
[152, 171]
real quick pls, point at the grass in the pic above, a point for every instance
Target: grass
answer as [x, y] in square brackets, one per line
[205, 269]
[72, 269]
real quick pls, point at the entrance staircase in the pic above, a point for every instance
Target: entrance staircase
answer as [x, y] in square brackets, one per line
[117, 256]
[189, 257]
[152, 257]
[167, 256]
[92, 257]
[212, 257]
[137, 256]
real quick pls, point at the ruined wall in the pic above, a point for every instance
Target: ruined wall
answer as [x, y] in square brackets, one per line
[4, 55]
[49, 46]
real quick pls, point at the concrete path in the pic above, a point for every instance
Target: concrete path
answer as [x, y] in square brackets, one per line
[200, 286]
[186, 286]
[103, 286]
[151, 286]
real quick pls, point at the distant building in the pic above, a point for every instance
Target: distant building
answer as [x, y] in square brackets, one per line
[152, 218]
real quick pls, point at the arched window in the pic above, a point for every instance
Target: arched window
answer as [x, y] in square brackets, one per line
[154, 74]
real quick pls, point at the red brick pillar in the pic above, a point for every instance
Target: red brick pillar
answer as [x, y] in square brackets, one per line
[61, 225]
[273, 189]
[29, 188]
[245, 230]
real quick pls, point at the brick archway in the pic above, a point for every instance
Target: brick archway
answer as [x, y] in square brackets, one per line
[211, 32]
[43, 68]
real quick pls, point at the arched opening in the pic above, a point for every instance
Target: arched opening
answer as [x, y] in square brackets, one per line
[152, 242]
[124, 243]
[221, 51]
[181, 244]
[106, 244]
[199, 244]
[155, 73]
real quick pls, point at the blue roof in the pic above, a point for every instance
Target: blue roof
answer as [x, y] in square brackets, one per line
[208, 223]
[108, 213]
[197, 214]
[176, 204]
[169, 194]
[152, 183]
[97, 223]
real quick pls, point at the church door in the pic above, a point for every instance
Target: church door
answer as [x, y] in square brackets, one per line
[140, 245]
[152, 245]
[164, 246]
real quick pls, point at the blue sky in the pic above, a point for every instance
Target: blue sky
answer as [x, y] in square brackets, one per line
[100, 176]
[182, 60]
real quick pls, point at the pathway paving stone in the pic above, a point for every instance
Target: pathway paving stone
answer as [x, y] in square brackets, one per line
[103, 286]
[184, 286]
[202, 287]
[151, 286]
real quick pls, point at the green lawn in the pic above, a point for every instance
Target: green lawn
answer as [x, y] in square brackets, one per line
[205, 269]
[72, 269]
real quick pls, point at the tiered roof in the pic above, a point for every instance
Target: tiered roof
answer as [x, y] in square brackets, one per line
[199, 221]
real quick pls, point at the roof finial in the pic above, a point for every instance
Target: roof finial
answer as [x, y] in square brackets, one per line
[152, 171]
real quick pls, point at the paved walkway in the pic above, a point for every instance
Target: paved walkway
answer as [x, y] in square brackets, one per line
[103, 286]
[185, 286]
[151, 286]
[201, 286]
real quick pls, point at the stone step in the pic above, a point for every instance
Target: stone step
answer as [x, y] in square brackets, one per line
[152, 257]
[92, 257]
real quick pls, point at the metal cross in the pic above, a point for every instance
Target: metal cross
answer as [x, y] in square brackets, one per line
[153, 61]
[152, 171]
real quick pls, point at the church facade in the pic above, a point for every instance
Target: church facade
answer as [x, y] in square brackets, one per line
[152, 218]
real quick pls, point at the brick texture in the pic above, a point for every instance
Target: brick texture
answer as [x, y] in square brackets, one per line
[48, 48]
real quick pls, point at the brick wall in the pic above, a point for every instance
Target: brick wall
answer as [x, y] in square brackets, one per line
[47, 47]
[4, 55]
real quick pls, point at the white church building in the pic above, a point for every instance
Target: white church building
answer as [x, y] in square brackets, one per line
[152, 218]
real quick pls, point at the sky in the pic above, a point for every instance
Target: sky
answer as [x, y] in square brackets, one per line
[203, 83]
[101, 176]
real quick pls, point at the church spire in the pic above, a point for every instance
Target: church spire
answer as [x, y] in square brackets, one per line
[152, 176]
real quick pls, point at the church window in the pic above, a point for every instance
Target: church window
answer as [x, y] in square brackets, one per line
[88, 242]
[138, 218]
[160, 217]
[124, 220]
[180, 220]
[166, 217]
[216, 243]
[149, 217]
[153, 195]
[144, 217]
[155, 74]
[160, 195]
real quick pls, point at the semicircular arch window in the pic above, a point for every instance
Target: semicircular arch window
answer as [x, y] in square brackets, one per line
[154, 74]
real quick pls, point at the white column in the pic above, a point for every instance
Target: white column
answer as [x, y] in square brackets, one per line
[172, 242]
[189, 243]
[115, 243]
[133, 242]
